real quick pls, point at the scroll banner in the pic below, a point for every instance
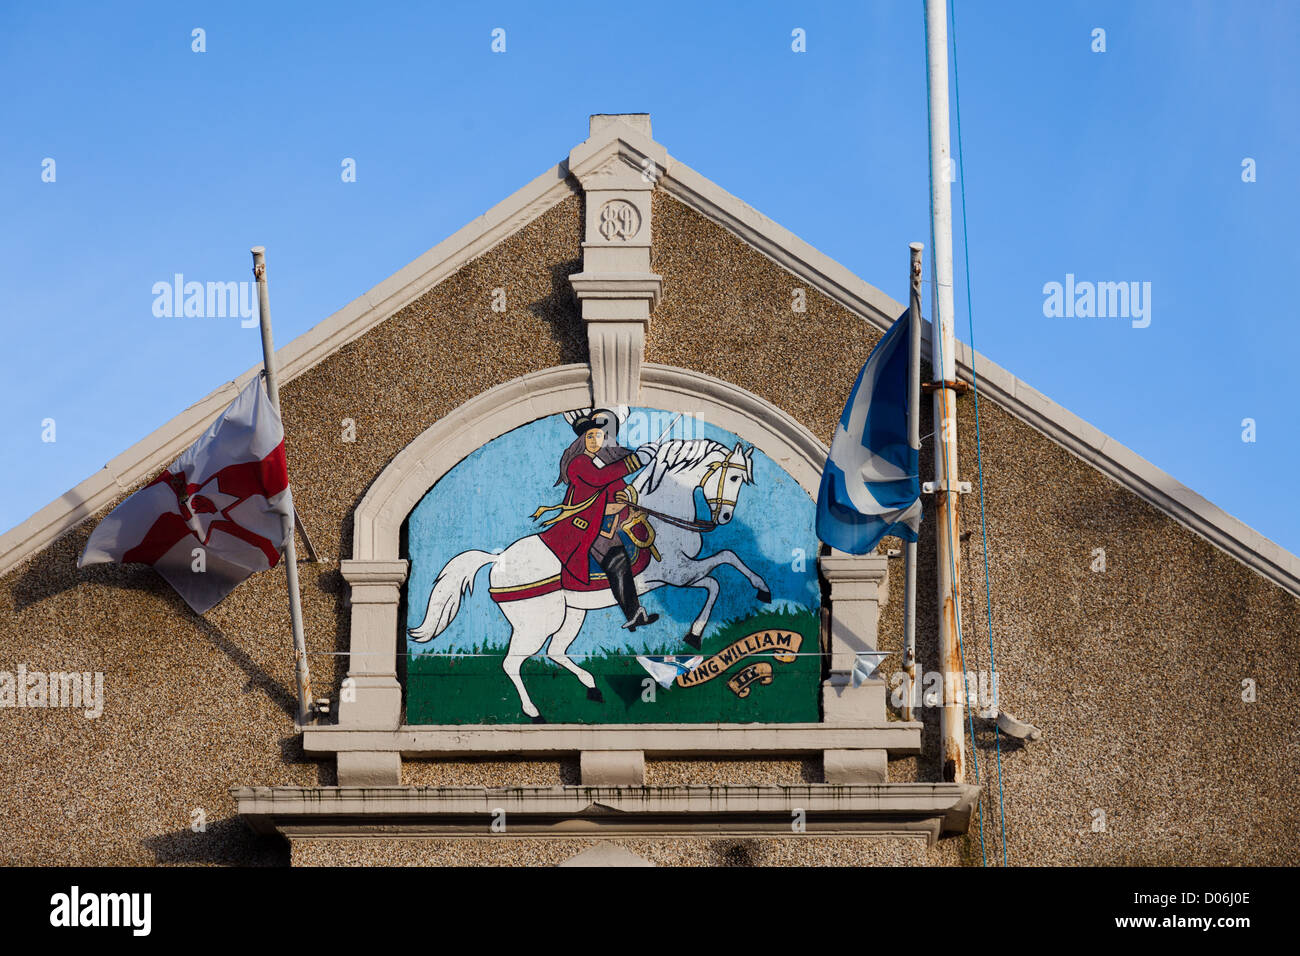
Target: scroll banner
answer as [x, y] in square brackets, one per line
[760, 673]
[782, 645]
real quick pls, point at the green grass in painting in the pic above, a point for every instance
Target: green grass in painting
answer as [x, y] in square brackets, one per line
[445, 689]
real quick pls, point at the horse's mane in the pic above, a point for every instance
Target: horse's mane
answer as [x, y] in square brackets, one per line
[678, 455]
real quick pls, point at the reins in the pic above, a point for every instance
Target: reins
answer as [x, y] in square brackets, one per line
[686, 524]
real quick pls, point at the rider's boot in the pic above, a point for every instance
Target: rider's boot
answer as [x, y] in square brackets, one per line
[619, 572]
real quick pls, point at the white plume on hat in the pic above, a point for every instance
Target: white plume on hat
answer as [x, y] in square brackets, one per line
[619, 410]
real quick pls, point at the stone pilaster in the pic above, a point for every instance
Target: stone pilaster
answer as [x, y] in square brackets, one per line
[859, 585]
[372, 698]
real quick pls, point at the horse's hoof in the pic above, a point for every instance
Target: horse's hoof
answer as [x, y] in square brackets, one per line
[693, 640]
[765, 596]
[593, 693]
[539, 719]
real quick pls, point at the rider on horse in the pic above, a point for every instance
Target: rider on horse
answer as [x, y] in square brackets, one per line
[592, 525]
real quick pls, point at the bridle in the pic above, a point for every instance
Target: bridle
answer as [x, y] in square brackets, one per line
[715, 504]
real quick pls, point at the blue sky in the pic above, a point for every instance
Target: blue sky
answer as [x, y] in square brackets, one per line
[1117, 166]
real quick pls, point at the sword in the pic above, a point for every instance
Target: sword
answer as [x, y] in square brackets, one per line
[689, 524]
[666, 429]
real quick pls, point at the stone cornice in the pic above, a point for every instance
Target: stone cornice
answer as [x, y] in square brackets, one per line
[477, 740]
[374, 572]
[928, 809]
[610, 285]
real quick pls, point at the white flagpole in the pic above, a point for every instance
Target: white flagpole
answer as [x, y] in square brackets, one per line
[914, 439]
[290, 551]
[944, 366]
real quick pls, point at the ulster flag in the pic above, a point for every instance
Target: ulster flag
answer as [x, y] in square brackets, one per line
[216, 515]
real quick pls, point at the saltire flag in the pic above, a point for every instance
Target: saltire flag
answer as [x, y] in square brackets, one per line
[870, 486]
[227, 494]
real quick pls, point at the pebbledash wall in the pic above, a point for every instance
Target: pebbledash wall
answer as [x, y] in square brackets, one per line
[1134, 674]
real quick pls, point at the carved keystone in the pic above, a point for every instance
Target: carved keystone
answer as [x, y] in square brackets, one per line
[618, 167]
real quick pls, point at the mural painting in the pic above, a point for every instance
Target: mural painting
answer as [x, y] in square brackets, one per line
[613, 566]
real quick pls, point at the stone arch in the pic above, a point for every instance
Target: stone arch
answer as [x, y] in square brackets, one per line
[443, 445]
[377, 571]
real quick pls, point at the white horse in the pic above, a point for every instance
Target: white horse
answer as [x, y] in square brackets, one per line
[667, 485]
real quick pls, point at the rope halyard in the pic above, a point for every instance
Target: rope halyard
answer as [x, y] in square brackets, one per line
[979, 457]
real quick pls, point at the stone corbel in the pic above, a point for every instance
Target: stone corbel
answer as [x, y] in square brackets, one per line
[616, 309]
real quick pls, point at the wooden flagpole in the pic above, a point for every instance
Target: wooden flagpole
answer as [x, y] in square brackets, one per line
[290, 551]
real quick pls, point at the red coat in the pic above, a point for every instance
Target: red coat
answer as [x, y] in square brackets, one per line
[573, 535]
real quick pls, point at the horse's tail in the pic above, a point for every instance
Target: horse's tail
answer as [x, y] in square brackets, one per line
[444, 600]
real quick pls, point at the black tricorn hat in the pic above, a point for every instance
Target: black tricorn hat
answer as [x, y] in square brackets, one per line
[601, 418]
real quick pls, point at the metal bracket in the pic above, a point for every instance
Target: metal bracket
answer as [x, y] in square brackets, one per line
[306, 538]
[930, 487]
[956, 384]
